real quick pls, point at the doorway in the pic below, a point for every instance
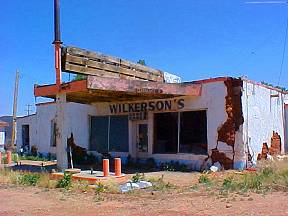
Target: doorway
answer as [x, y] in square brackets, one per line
[25, 138]
[142, 138]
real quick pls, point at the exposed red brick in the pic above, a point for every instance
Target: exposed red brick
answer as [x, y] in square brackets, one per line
[220, 157]
[78, 151]
[275, 144]
[234, 112]
[235, 118]
[264, 152]
[275, 148]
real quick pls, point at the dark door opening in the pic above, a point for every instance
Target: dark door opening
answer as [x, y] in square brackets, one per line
[142, 137]
[25, 138]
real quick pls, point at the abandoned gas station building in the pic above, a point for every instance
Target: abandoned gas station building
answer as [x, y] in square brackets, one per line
[230, 120]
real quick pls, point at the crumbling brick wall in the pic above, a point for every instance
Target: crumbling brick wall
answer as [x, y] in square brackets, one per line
[274, 149]
[227, 131]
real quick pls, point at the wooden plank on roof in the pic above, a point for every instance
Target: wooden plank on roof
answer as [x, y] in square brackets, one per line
[81, 61]
[142, 87]
[87, 66]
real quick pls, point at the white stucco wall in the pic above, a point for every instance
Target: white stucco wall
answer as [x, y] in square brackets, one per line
[263, 112]
[27, 120]
[44, 116]
[77, 116]
[212, 100]
[77, 121]
[286, 126]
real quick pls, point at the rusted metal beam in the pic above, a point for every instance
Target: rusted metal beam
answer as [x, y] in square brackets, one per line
[57, 42]
[50, 90]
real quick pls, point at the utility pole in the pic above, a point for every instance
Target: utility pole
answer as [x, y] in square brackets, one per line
[28, 109]
[15, 110]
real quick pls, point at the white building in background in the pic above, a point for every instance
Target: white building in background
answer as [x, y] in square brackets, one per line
[231, 122]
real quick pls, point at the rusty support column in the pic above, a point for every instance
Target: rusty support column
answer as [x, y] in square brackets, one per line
[57, 63]
[57, 42]
[117, 164]
[61, 132]
[105, 167]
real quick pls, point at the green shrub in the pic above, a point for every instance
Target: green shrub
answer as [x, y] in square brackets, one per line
[173, 166]
[30, 179]
[203, 179]
[159, 184]
[150, 163]
[100, 188]
[169, 166]
[33, 158]
[65, 182]
[137, 177]
[230, 184]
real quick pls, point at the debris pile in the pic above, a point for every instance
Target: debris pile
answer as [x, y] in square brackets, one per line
[129, 186]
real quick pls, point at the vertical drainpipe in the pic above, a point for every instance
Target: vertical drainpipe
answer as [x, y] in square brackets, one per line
[57, 42]
[284, 124]
[247, 125]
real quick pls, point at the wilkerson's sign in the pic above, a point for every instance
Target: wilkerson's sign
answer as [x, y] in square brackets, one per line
[161, 105]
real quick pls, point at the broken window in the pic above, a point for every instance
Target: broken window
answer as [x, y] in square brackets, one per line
[193, 132]
[166, 132]
[99, 134]
[109, 134]
[118, 138]
[183, 132]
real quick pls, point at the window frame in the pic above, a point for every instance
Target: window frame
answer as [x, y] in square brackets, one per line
[179, 132]
[108, 132]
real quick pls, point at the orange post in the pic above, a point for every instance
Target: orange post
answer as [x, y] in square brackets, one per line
[9, 157]
[105, 167]
[117, 163]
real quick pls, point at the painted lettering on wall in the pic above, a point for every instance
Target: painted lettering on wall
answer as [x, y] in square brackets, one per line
[148, 90]
[163, 105]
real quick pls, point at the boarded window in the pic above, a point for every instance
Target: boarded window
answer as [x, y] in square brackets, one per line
[166, 132]
[193, 132]
[99, 134]
[109, 134]
[118, 138]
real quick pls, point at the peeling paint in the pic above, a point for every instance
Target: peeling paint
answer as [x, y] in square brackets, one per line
[217, 156]
[227, 132]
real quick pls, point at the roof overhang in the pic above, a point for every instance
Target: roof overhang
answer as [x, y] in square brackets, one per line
[3, 124]
[102, 89]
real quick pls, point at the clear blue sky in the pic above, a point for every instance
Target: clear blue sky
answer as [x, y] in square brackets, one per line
[195, 39]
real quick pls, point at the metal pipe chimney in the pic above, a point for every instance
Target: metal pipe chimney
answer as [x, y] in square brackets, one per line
[57, 42]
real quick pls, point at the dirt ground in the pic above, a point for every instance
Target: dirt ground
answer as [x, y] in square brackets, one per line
[16, 200]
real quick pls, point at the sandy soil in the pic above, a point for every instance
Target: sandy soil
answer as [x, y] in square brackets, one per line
[32, 201]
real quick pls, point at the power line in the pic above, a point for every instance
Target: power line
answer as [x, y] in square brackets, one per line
[283, 53]
[28, 109]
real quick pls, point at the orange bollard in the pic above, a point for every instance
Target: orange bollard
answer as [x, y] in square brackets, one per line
[9, 157]
[117, 163]
[105, 167]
